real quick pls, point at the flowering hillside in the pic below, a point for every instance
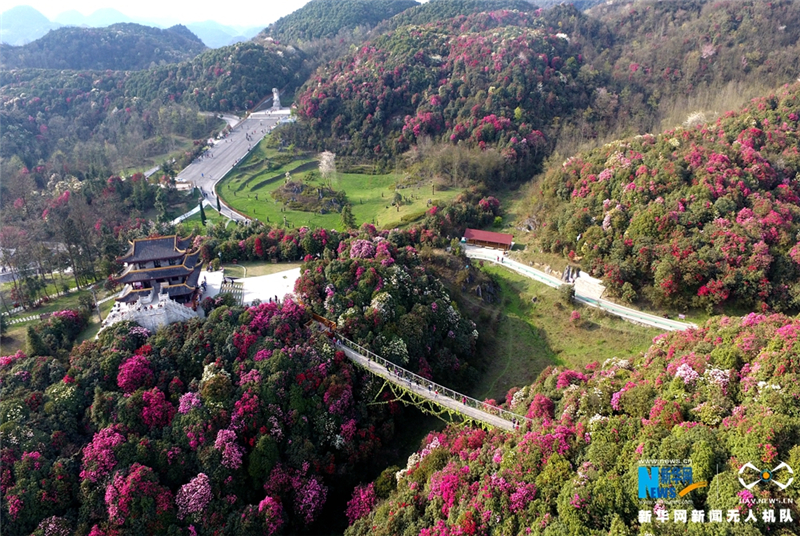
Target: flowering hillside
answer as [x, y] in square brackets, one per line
[720, 396]
[380, 295]
[684, 45]
[692, 217]
[488, 80]
[243, 424]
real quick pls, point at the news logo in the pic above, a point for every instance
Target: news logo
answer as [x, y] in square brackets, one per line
[666, 482]
[767, 476]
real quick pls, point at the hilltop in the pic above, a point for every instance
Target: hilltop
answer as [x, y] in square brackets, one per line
[487, 80]
[121, 47]
[440, 10]
[320, 19]
[23, 24]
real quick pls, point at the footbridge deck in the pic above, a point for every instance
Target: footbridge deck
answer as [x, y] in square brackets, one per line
[468, 408]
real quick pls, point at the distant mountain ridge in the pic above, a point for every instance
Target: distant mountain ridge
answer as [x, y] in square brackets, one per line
[216, 35]
[123, 46]
[23, 24]
[98, 19]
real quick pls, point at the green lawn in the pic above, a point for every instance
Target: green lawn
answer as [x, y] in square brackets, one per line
[212, 217]
[70, 301]
[370, 195]
[530, 336]
[15, 338]
[257, 268]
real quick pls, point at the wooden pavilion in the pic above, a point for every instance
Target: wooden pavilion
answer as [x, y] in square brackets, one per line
[162, 264]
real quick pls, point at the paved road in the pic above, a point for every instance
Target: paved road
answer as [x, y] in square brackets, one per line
[205, 172]
[627, 313]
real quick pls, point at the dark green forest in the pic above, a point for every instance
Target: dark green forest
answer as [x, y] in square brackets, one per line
[320, 19]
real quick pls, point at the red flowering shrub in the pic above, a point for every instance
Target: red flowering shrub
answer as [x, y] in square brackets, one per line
[157, 411]
[135, 496]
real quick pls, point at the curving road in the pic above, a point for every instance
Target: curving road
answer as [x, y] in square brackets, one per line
[632, 315]
[207, 171]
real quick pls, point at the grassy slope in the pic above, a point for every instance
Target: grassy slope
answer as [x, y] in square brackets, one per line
[530, 336]
[369, 195]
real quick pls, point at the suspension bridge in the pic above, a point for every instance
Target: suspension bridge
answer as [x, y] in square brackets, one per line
[428, 396]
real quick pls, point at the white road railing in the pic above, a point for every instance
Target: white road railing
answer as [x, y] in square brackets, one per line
[610, 307]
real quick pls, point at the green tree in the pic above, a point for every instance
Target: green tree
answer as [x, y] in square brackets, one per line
[202, 214]
[161, 204]
[348, 220]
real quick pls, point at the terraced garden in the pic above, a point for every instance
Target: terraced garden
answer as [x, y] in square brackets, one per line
[249, 189]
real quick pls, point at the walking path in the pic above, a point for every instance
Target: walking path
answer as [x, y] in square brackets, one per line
[195, 210]
[621, 311]
[433, 392]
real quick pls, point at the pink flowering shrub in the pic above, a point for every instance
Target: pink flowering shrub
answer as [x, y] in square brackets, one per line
[361, 503]
[541, 408]
[134, 373]
[193, 497]
[569, 377]
[98, 456]
[231, 452]
[189, 401]
[362, 249]
[271, 510]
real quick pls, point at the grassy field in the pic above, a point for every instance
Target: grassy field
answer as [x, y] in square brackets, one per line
[59, 303]
[530, 336]
[257, 268]
[249, 190]
[212, 217]
[15, 338]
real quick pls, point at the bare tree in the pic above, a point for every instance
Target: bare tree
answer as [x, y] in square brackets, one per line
[327, 166]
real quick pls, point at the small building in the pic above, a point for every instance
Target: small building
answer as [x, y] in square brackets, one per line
[488, 239]
[160, 265]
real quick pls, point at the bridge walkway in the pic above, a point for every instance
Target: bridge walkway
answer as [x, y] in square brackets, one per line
[469, 408]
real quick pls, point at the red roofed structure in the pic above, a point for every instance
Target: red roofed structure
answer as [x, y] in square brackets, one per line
[488, 239]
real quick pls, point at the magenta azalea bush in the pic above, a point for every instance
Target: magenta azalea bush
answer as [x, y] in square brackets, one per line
[362, 502]
[134, 372]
